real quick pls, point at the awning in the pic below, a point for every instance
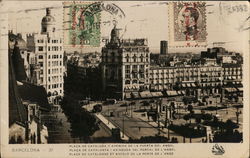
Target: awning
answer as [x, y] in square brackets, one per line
[231, 90]
[135, 95]
[159, 94]
[156, 94]
[180, 92]
[171, 93]
[240, 89]
[145, 94]
[183, 85]
[153, 94]
[127, 95]
[193, 85]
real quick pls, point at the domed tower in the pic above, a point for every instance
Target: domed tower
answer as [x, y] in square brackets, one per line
[115, 36]
[48, 23]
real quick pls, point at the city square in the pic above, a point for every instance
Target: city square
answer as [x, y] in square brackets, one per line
[70, 83]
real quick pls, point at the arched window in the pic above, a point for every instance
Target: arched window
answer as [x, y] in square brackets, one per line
[127, 58]
[134, 58]
[127, 82]
[141, 58]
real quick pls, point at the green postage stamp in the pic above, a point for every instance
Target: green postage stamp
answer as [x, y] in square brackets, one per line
[82, 24]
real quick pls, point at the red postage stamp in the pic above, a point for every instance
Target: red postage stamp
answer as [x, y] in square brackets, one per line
[187, 24]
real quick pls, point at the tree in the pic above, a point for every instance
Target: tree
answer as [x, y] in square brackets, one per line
[186, 117]
[190, 108]
[198, 120]
[83, 124]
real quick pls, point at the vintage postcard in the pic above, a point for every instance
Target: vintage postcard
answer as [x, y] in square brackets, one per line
[123, 79]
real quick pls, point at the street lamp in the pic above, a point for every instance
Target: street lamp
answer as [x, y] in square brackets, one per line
[123, 127]
[237, 115]
[167, 121]
[216, 105]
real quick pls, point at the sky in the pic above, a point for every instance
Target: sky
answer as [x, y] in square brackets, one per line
[146, 19]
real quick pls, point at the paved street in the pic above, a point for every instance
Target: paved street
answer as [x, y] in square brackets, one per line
[133, 122]
[137, 125]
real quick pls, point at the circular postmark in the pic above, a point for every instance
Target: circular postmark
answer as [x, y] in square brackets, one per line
[87, 19]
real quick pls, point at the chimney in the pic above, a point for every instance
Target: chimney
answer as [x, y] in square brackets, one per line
[164, 47]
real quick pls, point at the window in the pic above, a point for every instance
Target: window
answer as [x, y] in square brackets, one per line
[49, 56]
[134, 81]
[41, 64]
[44, 29]
[49, 48]
[134, 58]
[40, 48]
[40, 57]
[127, 82]
[40, 41]
[49, 71]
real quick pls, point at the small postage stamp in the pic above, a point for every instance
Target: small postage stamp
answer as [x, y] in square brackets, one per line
[187, 24]
[82, 24]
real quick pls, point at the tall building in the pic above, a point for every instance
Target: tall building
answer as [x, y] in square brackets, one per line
[125, 66]
[164, 47]
[48, 47]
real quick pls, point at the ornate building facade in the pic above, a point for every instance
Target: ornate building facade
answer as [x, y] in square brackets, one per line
[128, 73]
[125, 66]
[48, 47]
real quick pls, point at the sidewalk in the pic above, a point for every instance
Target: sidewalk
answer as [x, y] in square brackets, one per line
[110, 125]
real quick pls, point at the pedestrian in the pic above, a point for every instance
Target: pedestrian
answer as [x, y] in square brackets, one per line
[176, 140]
[172, 139]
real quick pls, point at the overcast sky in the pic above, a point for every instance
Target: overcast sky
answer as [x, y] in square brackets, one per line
[143, 20]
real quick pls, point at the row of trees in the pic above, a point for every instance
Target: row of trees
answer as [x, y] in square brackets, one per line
[86, 84]
[77, 87]
[83, 124]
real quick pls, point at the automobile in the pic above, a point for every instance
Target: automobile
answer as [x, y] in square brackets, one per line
[124, 105]
[97, 108]
[110, 101]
